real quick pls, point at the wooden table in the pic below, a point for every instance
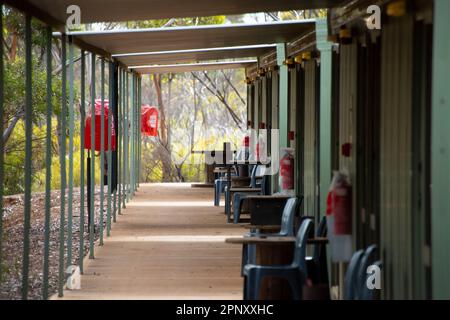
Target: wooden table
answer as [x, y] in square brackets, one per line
[273, 251]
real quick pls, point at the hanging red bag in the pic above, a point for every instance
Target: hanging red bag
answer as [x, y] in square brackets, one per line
[97, 130]
[149, 121]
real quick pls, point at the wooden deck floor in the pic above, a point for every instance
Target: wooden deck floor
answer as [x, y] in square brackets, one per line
[168, 244]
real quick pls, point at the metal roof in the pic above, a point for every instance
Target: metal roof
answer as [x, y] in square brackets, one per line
[184, 56]
[54, 11]
[194, 37]
[188, 67]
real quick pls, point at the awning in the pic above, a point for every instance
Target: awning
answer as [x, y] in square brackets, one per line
[188, 67]
[184, 56]
[54, 11]
[195, 37]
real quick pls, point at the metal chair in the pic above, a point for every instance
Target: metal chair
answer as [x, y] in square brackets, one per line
[317, 263]
[239, 197]
[286, 230]
[366, 293]
[367, 259]
[351, 290]
[254, 186]
[294, 273]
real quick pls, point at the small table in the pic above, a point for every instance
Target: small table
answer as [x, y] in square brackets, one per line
[273, 251]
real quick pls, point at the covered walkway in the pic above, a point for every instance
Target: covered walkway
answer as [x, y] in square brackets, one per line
[169, 244]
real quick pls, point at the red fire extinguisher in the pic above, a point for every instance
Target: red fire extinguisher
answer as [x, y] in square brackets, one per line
[341, 198]
[287, 170]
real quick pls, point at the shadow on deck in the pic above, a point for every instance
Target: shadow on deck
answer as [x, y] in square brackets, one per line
[168, 244]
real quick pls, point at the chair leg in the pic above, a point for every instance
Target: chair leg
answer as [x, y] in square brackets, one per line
[244, 258]
[228, 205]
[216, 193]
[250, 289]
[245, 293]
[237, 201]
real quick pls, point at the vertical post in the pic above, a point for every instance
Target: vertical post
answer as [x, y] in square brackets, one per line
[71, 134]
[62, 158]
[119, 142]
[139, 132]
[2, 159]
[82, 123]
[109, 156]
[325, 49]
[283, 95]
[440, 153]
[92, 162]
[48, 162]
[28, 156]
[132, 133]
[126, 140]
[102, 147]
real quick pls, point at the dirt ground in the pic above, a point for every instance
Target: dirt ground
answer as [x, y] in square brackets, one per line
[10, 286]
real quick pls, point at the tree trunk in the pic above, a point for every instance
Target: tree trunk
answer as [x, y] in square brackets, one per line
[164, 148]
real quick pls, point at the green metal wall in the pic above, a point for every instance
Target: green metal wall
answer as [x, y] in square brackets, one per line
[275, 106]
[347, 115]
[396, 157]
[257, 104]
[292, 103]
[310, 147]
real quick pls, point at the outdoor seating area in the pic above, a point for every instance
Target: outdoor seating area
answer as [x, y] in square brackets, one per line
[333, 179]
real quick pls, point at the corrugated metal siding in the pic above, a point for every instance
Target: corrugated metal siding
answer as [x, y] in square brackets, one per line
[347, 113]
[292, 102]
[251, 103]
[275, 122]
[275, 103]
[396, 157]
[257, 104]
[309, 178]
[264, 100]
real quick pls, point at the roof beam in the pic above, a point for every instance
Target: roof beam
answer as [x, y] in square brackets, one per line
[131, 10]
[190, 67]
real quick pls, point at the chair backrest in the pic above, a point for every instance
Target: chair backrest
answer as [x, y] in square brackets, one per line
[321, 232]
[303, 234]
[287, 219]
[350, 287]
[366, 293]
[367, 259]
[253, 176]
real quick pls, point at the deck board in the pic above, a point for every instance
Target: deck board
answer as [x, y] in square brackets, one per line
[168, 244]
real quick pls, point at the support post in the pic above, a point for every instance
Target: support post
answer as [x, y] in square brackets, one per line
[92, 163]
[119, 143]
[283, 95]
[2, 157]
[82, 189]
[48, 162]
[102, 147]
[132, 133]
[440, 152]
[28, 156]
[62, 158]
[71, 143]
[325, 48]
[109, 155]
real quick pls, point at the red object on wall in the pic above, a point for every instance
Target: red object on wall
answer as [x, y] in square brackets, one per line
[346, 149]
[287, 172]
[342, 209]
[246, 141]
[87, 128]
[291, 135]
[149, 121]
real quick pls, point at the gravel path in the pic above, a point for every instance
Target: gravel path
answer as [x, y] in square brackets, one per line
[10, 287]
